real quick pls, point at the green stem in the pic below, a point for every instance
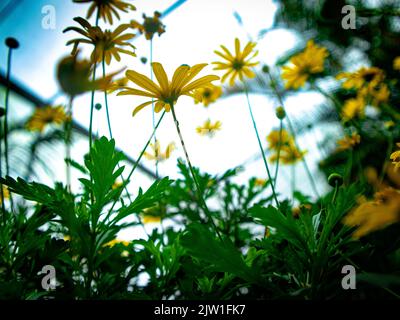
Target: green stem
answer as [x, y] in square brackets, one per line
[137, 161]
[293, 179]
[68, 136]
[92, 96]
[3, 208]
[335, 192]
[109, 123]
[200, 195]
[261, 149]
[153, 114]
[279, 151]
[6, 108]
[293, 133]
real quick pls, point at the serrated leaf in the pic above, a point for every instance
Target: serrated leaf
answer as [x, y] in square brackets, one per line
[202, 244]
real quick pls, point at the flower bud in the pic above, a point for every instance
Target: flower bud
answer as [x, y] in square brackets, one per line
[335, 179]
[280, 113]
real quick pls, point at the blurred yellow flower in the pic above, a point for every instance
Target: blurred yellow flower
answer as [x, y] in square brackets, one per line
[363, 77]
[396, 63]
[114, 242]
[348, 142]
[289, 154]
[6, 194]
[277, 138]
[150, 219]
[157, 154]
[208, 128]
[75, 76]
[378, 95]
[395, 157]
[207, 95]
[238, 64]
[107, 8]
[354, 107]
[258, 182]
[150, 26]
[117, 84]
[106, 44]
[116, 185]
[303, 65]
[44, 116]
[167, 92]
[376, 214]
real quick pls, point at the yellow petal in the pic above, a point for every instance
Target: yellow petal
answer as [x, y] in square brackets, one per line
[140, 107]
[200, 82]
[179, 76]
[143, 81]
[161, 76]
[135, 92]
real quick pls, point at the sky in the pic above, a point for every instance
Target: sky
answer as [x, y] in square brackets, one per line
[194, 30]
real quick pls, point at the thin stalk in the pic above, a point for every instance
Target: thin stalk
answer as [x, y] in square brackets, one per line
[293, 179]
[109, 123]
[293, 133]
[6, 107]
[201, 199]
[153, 114]
[3, 208]
[261, 149]
[92, 96]
[279, 151]
[68, 136]
[137, 161]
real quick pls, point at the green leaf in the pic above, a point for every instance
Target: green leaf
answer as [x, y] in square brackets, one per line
[202, 244]
[286, 226]
[144, 200]
[101, 163]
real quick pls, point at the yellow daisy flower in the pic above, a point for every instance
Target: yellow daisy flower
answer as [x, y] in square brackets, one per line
[117, 84]
[150, 219]
[106, 44]
[44, 116]
[379, 94]
[114, 242]
[207, 95]
[348, 142]
[289, 154]
[354, 107]
[258, 182]
[75, 76]
[167, 92]
[150, 26]
[157, 154]
[303, 65]
[363, 77]
[107, 8]
[6, 194]
[208, 128]
[238, 64]
[395, 157]
[396, 63]
[370, 216]
[277, 138]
